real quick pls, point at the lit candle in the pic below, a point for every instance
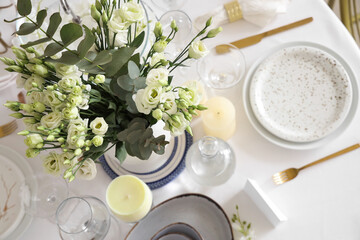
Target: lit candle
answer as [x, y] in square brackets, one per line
[219, 119]
[129, 198]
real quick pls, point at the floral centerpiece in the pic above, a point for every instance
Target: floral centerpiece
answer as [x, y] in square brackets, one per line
[89, 89]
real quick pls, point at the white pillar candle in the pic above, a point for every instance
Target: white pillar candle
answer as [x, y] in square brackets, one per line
[129, 198]
[219, 119]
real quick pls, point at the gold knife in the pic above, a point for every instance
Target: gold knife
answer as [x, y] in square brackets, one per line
[223, 48]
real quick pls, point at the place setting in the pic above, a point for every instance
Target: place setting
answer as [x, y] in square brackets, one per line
[109, 101]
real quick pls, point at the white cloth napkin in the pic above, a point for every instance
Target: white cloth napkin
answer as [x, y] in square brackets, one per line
[258, 12]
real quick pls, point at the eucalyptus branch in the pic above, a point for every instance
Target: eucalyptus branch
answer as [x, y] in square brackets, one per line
[59, 43]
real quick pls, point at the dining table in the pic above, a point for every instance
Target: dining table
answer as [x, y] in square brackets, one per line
[323, 202]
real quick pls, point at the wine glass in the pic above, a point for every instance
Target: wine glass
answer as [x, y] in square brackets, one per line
[184, 25]
[83, 218]
[222, 70]
[50, 192]
[210, 161]
[167, 5]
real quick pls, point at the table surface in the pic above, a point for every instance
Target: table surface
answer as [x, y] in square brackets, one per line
[321, 203]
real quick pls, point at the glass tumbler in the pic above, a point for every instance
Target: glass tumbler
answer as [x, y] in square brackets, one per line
[83, 218]
[220, 70]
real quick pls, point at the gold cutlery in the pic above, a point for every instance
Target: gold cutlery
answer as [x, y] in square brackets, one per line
[223, 48]
[8, 128]
[291, 173]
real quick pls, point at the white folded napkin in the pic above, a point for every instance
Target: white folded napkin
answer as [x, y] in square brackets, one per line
[258, 12]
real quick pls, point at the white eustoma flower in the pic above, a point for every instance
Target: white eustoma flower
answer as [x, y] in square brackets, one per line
[156, 58]
[99, 126]
[70, 113]
[117, 23]
[169, 105]
[87, 170]
[75, 131]
[53, 98]
[120, 38]
[176, 127]
[198, 50]
[148, 98]
[32, 140]
[51, 163]
[132, 12]
[33, 79]
[68, 82]
[36, 97]
[193, 94]
[63, 70]
[157, 76]
[20, 80]
[51, 120]
[68, 159]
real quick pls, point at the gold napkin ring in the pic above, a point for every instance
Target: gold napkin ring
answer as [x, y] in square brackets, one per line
[233, 10]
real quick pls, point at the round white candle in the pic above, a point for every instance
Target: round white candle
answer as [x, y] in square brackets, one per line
[219, 119]
[129, 198]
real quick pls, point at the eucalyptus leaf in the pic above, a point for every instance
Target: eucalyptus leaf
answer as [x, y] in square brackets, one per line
[133, 70]
[120, 152]
[125, 82]
[112, 105]
[52, 49]
[117, 90]
[140, 83]
[148, 133]
[26, 28]
[119, 58]
[111, 118]
[145, 152]
[134, 136]
[70, 32]
[86, 43]
[170, 78]
[66, 58]
[131, 106]
[103, 57]
[33, 43]
[24, 7]
[40, 17]
[54, 23]
[138, 40]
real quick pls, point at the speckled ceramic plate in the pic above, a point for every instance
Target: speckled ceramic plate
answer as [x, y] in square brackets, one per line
[300, 95]
[196, 210]
[14, 172]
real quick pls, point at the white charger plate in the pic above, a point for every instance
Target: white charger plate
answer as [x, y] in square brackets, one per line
[196, 210]
[264, 123]
[14, 171]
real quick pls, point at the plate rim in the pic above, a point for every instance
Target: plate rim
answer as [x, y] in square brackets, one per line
[217, 205]
[299, 145]
[27, 219]
[162, 181]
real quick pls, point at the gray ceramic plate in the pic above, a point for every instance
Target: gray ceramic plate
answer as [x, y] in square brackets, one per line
[196, 210]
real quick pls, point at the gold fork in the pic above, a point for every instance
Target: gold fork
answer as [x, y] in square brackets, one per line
[291, 173]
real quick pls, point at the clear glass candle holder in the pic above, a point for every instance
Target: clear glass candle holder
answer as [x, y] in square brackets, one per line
[222, 70]
[210, 161]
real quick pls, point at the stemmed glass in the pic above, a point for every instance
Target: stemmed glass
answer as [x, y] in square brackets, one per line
[210, 161]
[50, 192]
[83, 218]
[167, 5]
[184, 25]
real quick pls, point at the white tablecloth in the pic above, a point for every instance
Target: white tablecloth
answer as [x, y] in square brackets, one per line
[322, 203]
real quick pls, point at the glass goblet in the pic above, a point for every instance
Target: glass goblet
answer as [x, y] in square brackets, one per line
[167, 5]
[50, 192]
[184, 24]
[83, 218]
[210, 161]
[222, 70]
